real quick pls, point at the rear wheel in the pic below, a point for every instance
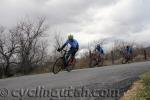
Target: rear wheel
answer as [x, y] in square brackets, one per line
[58, 65]
[71, 64]
[101, 62]
[123, 61]
[93, 63]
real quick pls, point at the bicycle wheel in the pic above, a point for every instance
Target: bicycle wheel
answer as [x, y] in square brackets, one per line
[58, 65]
[93, 63]
[124, 61]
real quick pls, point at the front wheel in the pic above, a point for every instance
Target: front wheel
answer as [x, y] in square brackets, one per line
[58, 65]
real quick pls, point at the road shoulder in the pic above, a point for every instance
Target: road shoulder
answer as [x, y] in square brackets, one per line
[140, 90]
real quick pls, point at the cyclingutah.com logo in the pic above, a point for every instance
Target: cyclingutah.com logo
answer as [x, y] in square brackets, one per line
[42, 92]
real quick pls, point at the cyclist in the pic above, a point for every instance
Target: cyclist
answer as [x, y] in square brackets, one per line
[73, 49]
[129, 50]
[99, 50]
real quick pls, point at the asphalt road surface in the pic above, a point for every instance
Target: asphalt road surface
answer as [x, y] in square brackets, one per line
[101, 83]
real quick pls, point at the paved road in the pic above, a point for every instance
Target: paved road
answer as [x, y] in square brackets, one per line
[103, 83]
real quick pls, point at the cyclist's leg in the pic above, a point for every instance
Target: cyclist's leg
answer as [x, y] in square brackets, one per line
[73, 60]
[72, 53]
[67, 57]
[65, 62]
[99, 57]
[131, 56]
[102, 59]
[128, 57]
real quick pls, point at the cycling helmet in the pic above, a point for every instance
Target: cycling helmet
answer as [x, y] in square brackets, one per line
[98, 45]
[70, 37]
[127, 46]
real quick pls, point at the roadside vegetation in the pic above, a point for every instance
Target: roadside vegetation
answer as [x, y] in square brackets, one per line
[144, 92]
[140, 89]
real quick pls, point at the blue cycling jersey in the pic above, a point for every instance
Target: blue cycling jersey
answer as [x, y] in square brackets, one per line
[73, 43]
[129, 50]
[100, 50]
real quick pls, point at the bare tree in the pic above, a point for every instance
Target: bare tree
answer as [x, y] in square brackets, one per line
[120, 45]
[32, 48]
[119, 48]
[100, 41]
[8, 48]
[58, 42]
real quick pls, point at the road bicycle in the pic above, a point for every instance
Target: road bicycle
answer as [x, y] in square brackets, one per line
[96, 60]
[64, 62]
[127, 58]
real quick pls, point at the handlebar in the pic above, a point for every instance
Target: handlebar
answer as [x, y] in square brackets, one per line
[63, 50]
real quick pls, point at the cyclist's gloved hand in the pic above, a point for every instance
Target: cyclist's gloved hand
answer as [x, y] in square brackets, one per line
[58, 49]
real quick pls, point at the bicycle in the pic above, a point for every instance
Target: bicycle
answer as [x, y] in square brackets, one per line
[60, 63]
[126, 57]
[96, 60]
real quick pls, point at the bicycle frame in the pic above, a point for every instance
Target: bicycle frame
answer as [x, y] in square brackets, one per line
[64, 55]
[96, 59]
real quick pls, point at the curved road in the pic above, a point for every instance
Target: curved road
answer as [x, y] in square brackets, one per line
[102, 83]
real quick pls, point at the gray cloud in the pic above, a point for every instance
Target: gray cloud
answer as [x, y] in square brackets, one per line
[57, 12]
[89, 19]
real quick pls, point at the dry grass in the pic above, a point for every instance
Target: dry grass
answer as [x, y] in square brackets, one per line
[40, 70]
[82, 63]
[140, 89]
[131, 93]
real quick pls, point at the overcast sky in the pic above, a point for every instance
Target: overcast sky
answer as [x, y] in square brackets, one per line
[88, 20]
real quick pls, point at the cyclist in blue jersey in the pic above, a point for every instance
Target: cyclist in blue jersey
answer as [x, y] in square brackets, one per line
[127, 54]
[73, 49]
[99, 49]
[129, 50]
[100, 52]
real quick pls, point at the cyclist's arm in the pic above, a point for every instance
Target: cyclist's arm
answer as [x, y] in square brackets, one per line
[103, 51]
[64, 45]
[77, 46]
[95, 49]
